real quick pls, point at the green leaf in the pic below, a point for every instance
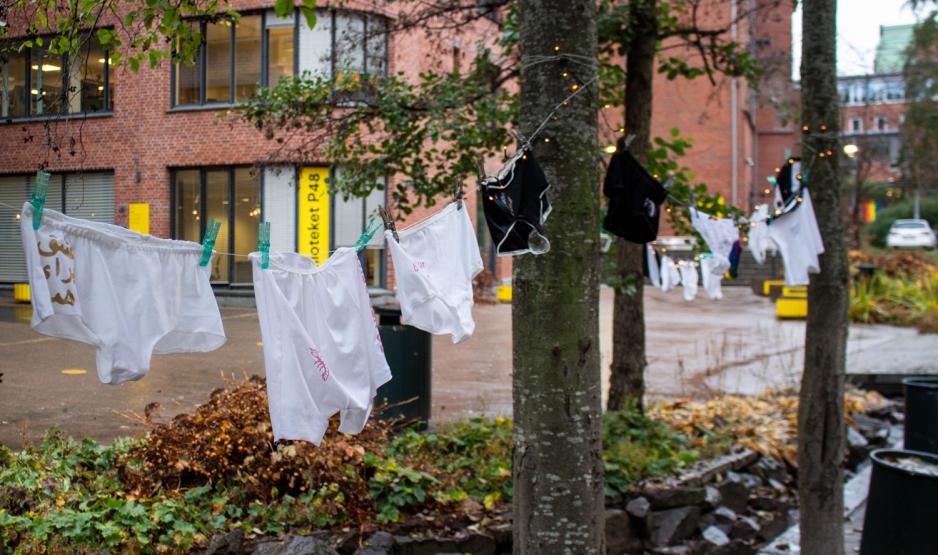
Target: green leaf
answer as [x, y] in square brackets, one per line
[309, 14]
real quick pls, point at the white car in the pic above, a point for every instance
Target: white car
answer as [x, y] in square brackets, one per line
[911, 233]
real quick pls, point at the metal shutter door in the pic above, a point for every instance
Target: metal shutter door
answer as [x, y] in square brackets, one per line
[90, 196]
[14, 191]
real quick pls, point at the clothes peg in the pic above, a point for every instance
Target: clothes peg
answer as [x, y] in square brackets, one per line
[263, 243]
[367, 234]
[38, 200]
[628, 140]
[208, 241]
[458, 195]
[389, 222]
[669, 182]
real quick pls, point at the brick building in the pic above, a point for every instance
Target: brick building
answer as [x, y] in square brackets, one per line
[153, 150]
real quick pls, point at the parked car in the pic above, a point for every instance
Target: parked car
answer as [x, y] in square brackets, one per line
[911, 233]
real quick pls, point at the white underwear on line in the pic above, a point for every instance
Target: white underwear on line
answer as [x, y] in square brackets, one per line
[322, 351]
[434, 264]
[127, 294]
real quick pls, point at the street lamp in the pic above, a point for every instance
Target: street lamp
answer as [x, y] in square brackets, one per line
[851, 150]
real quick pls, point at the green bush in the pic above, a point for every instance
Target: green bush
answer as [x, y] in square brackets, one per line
[878, 230]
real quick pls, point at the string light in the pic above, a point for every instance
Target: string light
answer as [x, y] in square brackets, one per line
[556, 48]
[610, 149]
[805, 128]
[574, 87]
[622, 130]
[823, 127]
[778, 170]
[800, 199]
[546, 139]
[767, 191]
[662, 248]
[565, 74]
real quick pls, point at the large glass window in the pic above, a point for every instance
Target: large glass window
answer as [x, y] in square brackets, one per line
[229, 195]
[229, 66]
[280, 48]
[14, 85]
[37, 83]
[349, 217]
[232, 64]
[218, 62]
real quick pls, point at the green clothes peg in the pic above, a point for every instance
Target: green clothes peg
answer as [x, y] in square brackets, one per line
[38, 200]
[208, 241]
[370, 229]
[263, 243]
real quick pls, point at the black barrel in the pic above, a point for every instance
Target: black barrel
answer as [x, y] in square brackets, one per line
[409, 354]
[902, 508]
[921, 415]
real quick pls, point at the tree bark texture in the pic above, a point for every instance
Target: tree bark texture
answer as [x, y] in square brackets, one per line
[627, 373]
[821, 427]
[558, 499]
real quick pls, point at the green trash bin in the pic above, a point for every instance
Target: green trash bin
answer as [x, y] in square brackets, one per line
[408, 351]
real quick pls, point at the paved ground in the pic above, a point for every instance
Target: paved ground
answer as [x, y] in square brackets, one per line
[695, 349]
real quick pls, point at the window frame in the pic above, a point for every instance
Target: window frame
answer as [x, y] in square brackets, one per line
[229, 248]
[331, 12]
[64, 79]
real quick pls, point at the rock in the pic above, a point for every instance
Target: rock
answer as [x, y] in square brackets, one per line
[712, 497]
[715, 536]
[744, 528]
[724, 515]
[777, 486]
[671, 497]
[640, 511]
[858, 448]
[295, 545]
[620, 537]
[670, 526]
[638, 508]
[766, 503]
[748, 480]
[380, 543]
[735, 547]
[672, 550]
[773, 526]
[767, 469]
[734, 493]
[502, 535]
[481, 544]
[229, 543]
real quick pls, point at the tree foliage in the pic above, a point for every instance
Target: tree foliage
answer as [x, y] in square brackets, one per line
[920, 128]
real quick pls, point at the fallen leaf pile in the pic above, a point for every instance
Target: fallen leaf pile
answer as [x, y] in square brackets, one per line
[766, 423]
[895, 264]
[230, 438]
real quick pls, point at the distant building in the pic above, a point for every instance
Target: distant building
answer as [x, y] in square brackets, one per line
[873, 106]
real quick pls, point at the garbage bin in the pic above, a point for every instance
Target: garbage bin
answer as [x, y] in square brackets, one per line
[902, 504]
[921, 414]
[408, 352]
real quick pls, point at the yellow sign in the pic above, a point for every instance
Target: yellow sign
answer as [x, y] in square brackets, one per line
[313, 209]
[139, 218]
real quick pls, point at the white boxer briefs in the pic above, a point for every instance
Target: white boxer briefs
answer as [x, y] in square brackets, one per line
[434, 264]
[129, 295]
[322, 351]
[688, 269]
[799, 241]
[670, 276]
[710, 279]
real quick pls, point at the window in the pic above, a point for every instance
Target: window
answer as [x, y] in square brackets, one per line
[230, 64]
[235, 59]
[881, 123]
[349, 217]
[231, 196]
[345, 46]
[37, 83]
[856, 125]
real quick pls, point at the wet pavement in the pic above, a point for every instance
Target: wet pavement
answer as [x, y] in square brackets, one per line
[695, 349]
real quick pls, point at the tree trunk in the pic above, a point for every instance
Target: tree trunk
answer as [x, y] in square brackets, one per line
[627, 374]
[558, 499]
[821, 427]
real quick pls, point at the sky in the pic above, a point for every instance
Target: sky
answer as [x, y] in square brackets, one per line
[858, 24]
